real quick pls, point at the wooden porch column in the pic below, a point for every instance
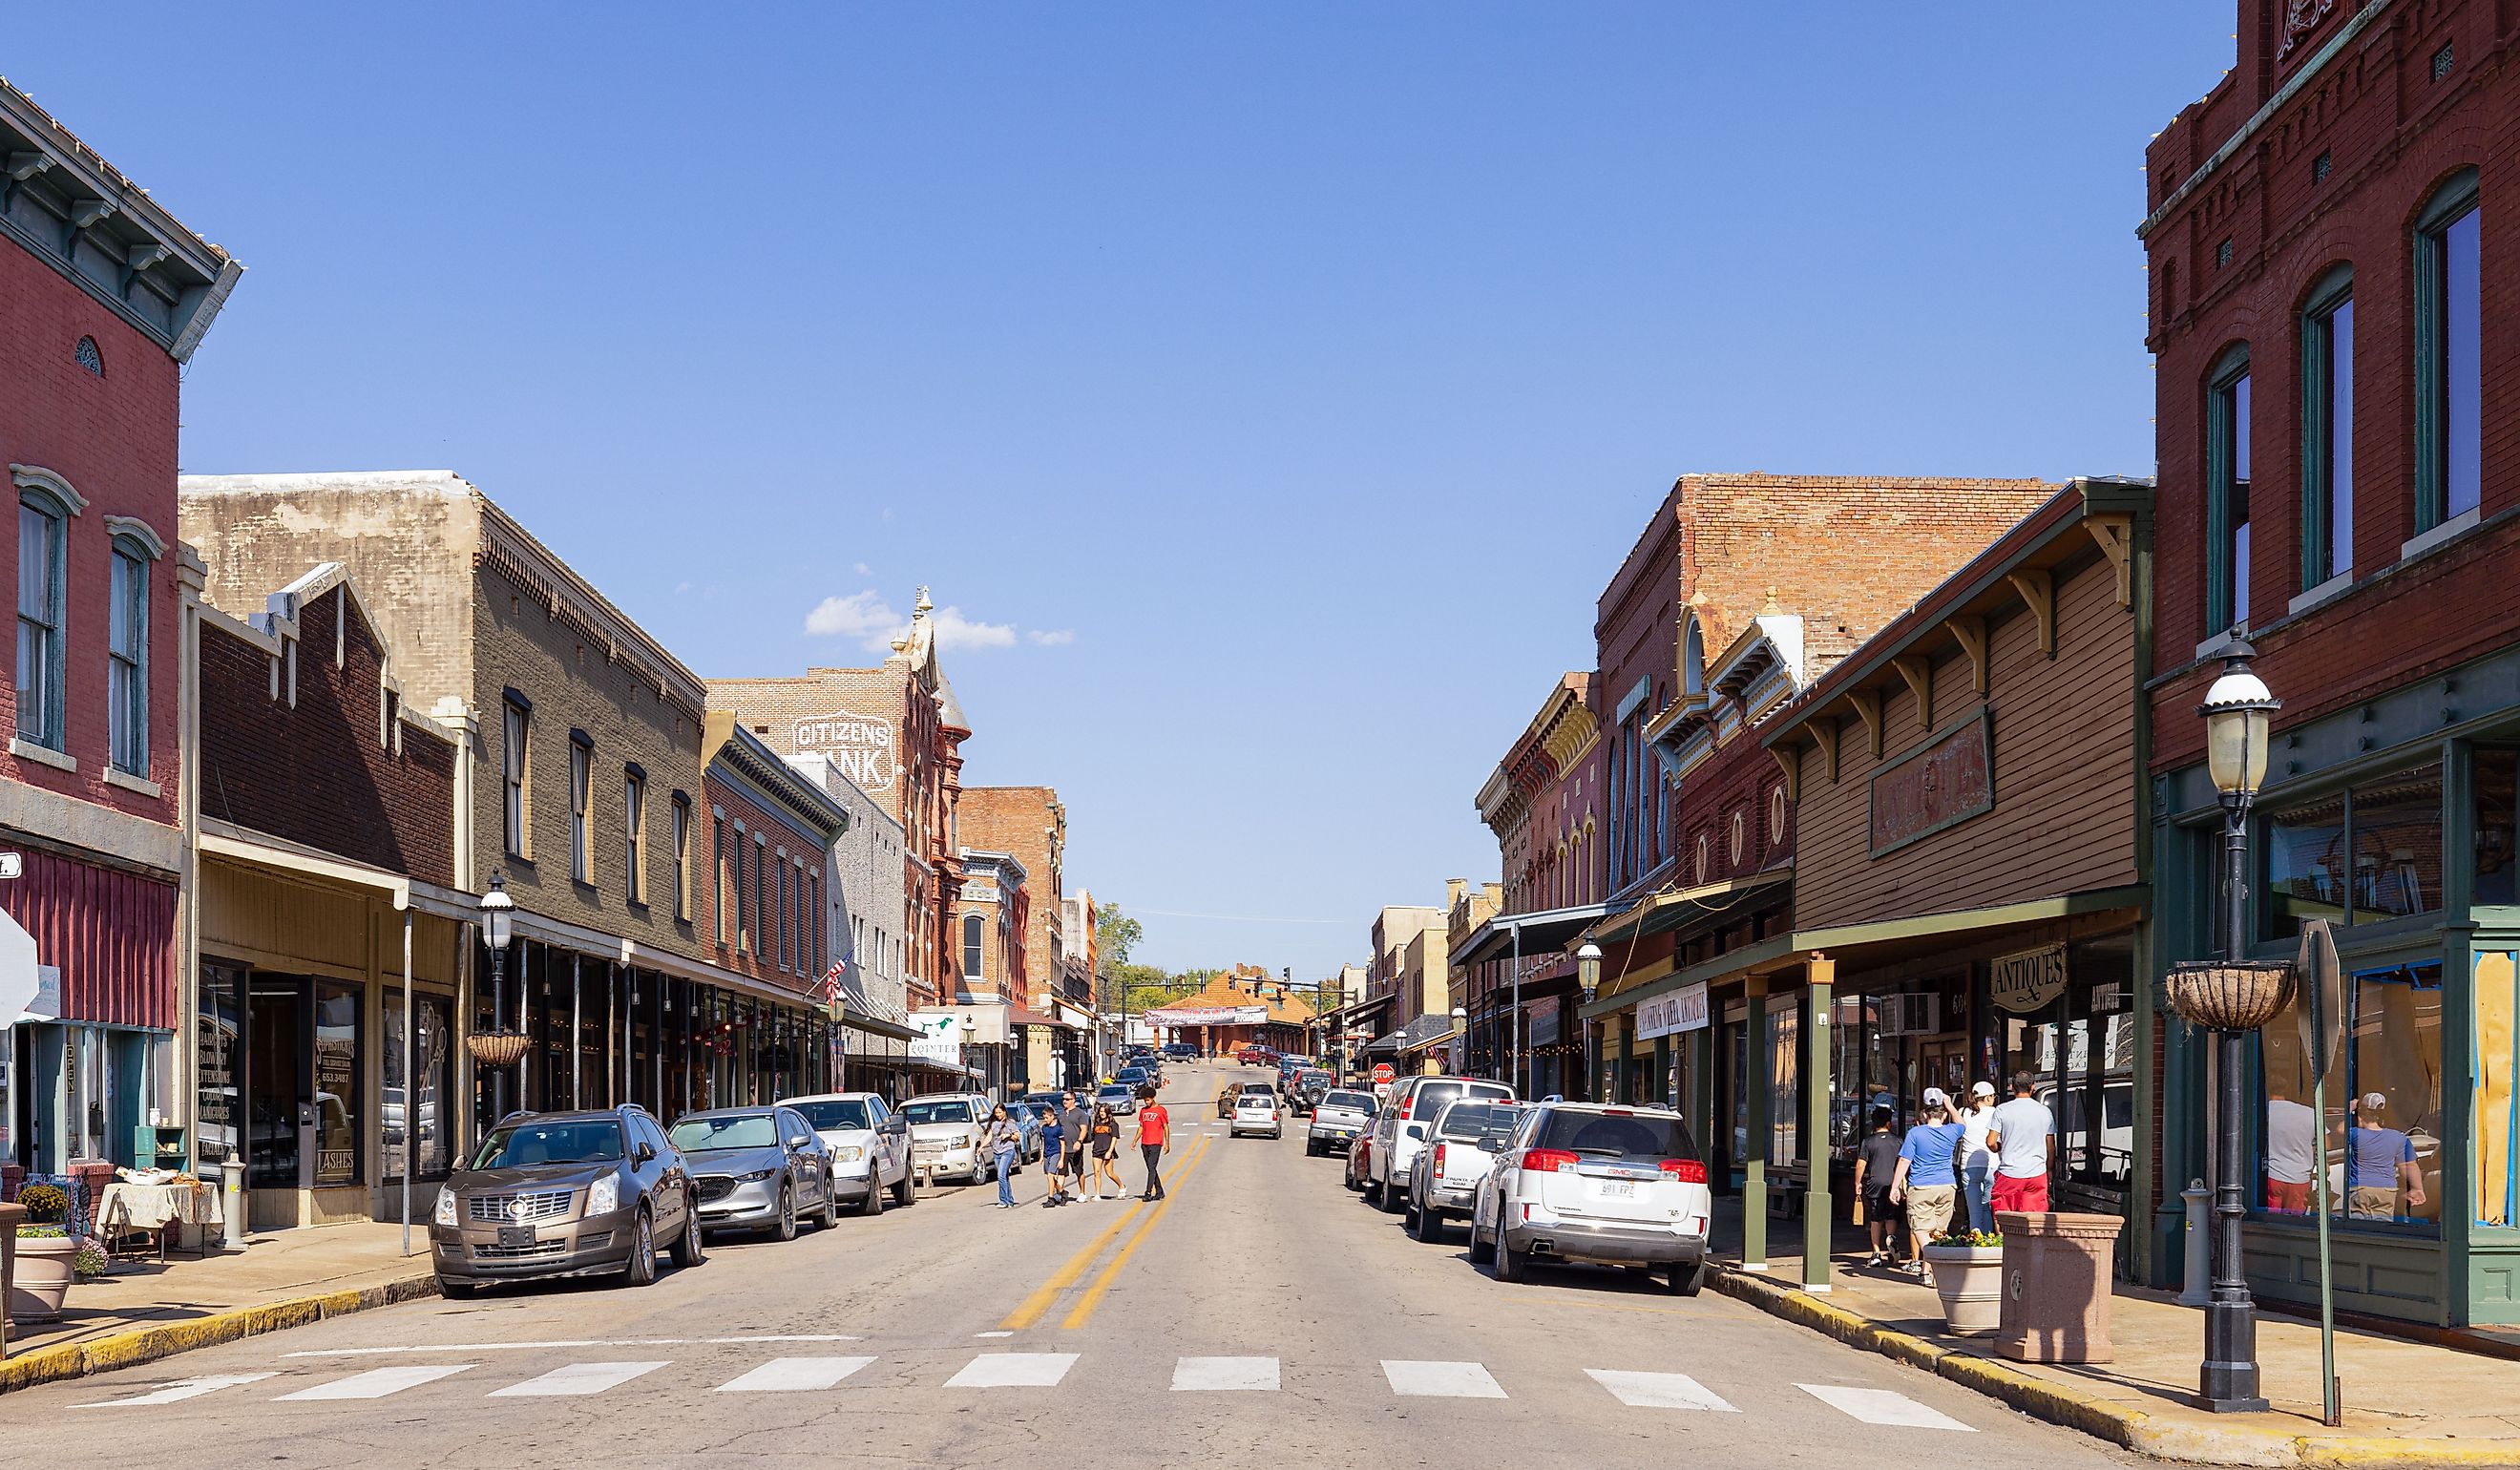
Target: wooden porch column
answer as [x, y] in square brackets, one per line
[1754, 1159]
[1822, 972]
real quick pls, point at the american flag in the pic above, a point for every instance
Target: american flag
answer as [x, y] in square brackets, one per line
[832, 983]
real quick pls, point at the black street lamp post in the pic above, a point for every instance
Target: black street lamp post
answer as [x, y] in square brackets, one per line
[1588, 979]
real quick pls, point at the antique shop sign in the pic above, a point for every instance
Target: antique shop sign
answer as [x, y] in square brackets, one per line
[2027, 981]
[1942, 784]
[1671, 1012]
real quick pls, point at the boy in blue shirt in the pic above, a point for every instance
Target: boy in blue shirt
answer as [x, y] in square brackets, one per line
[1928, 1175]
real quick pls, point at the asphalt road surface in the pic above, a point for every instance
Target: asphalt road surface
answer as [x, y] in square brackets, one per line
[1264, 1315]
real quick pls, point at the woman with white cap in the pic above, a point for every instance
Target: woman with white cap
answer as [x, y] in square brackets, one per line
[2379, 1163]
[1977, 1161]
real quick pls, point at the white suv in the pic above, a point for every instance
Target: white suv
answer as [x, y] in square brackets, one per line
[1400, 1129]
[1256, 1113]
[1613, 1185]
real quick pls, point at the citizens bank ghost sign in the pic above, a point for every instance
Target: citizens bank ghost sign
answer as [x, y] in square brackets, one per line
[862, 748]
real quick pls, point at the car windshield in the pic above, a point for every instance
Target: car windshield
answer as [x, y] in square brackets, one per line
[522, 1145]
[707, 1135]
[1468, 1120]
[1362, 1103]
[939, 1110]
[1114, 1090]
[1618, 1136]
[1258, 1099]
[833, 1116]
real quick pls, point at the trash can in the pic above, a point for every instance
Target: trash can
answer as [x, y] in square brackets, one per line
[2058, 1270]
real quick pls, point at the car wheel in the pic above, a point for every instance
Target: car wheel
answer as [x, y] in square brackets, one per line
[786, 1226]
[1373, 1192]
[1686, 1280]
[874, 1206]
[688, 1250]
[1395, 1196]
[905, 1189]
[1510, 1265]
[830, 1220]
[1409, 1212]
[642, 1269]
[1430, 1227]
[1481, 1253]
[457, 1291]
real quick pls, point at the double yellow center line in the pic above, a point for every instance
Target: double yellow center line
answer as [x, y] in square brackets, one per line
[1037, 1306]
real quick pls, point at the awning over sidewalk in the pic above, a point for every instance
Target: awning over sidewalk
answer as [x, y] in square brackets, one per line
[1542, 931]
[1666, 911]
[1419, 1034]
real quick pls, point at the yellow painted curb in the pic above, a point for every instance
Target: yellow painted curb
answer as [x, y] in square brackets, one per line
[142, 1345]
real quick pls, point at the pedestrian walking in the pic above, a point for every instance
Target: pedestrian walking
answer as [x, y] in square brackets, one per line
[1927, 1179]
[1106, 1134]
[1005, 1139]
[2024, 1136]
[1977, 1160]
[1074, 1120]
[1154, 1136]
[1876, 1162]
[1054, 1154]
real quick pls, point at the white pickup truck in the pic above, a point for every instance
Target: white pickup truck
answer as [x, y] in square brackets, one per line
[1444, 1178]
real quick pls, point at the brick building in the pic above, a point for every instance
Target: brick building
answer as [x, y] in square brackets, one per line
[992, 972]
[2339, 466]
[326, 861]
[865, 904]
[1543, 801]
[1030, 824]
[104, 296]
[897, 731]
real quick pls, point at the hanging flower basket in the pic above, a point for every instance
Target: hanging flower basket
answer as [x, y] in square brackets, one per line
[498, 1049]
[2224, 997]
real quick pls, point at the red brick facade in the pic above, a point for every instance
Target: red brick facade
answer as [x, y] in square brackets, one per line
[1028, 824]
[338, 767]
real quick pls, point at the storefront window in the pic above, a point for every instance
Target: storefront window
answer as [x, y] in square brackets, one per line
[336, 1084]
[2305, 865]
[221, 1064]
[1784, 1080]
[416, 1112]
[2357, 857]
[2383, 1129]
[2498, 831]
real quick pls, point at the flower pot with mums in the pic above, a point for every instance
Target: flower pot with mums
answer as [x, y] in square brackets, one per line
[47, 1256]
[1968, 1275]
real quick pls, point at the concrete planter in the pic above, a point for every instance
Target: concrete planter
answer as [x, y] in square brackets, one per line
[42, 1276]
[1969, 1278]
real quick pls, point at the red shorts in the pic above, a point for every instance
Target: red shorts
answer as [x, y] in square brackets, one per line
[2029, 1195]
[2288, 1199]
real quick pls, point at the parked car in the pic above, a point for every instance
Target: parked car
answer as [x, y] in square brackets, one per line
[1181, 1052]
[1587, 1183]
[1225, 1097]
[1310, 1085]
[945, 1129]
[1400, 1128]
[1358, 1154]
[1132, 1078]
[564, 1194]
[1258, 1113]
[1445, 1178]
[757, 1167]
[1121, 1099]
[869, 1147]
[1339, 1119]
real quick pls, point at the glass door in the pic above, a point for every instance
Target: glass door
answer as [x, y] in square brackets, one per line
[277, 1097]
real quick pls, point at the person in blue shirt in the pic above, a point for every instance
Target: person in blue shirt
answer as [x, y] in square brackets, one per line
[1054, 1157]
[1928, 1178]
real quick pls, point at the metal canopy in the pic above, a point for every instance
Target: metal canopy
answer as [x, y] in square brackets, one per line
[1542, 931]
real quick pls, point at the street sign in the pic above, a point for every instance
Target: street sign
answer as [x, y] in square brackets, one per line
[1382, 1072]
[2318, 997]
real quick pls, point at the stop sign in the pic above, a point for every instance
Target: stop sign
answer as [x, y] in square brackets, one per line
[1382, 1072]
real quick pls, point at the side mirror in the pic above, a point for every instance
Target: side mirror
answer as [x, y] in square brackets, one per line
[801, 1141]
[1417, 1131]
[645, 1153]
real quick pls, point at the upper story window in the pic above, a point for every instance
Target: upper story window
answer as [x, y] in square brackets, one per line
[516, 743]
[717, 879]
[2327, 431]
[43, 549]
[2227, 494]
[87, 356]
[974, 936]
[682, 856]
[126, 685]
[634, 830]
[2450, 385]
[787, 919]
[581, 797]
[761, 938]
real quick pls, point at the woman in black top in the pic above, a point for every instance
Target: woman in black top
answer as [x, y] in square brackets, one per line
[1105, 1138]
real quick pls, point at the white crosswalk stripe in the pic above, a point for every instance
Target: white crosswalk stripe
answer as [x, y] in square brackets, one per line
[1014, 1370]
[1881, 1406]
[577, 1380]
[1658, 1390]
[1412, 1379]
[376, 1383]
[176, 1392]
[792, 1375]
[1218, 1374]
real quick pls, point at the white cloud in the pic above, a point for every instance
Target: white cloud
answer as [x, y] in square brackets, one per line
[865, 570]
[955, 630]
[1051, 638]
[861, 615]
[681, 588]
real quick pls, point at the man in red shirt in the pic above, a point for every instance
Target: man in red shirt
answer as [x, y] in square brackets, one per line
[1154, 1135]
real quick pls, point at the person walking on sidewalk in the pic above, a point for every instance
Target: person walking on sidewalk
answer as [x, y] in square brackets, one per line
[1104, 1134]
[1154, 1136]
[1876, 1159]
[1928, 1179]
[1075, 1121]
[1006, 1146]
[1977, 1161]
[1053, 1158]
[2024, 1139]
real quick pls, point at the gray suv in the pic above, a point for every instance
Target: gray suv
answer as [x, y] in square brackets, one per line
[758, 1168]
[564, 1194]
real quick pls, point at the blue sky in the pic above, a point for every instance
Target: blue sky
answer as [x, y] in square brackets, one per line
[1268, 388]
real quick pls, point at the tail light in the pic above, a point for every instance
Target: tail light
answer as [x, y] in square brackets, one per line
[1686, 1171]
[1438, 1165]
[1548, 1160]
[1406, 1103]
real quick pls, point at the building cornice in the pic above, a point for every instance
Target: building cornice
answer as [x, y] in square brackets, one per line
[509, 546]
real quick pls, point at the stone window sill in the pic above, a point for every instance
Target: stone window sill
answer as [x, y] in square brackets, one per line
[41, 755]
[115, 776]
[2334, 587]
[2217, 645]
[2442, 535]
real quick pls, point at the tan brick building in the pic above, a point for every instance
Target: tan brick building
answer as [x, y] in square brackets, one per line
[896, 731]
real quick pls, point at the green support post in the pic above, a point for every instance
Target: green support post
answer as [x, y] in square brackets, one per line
[1816, 1223]
[1754, 1165]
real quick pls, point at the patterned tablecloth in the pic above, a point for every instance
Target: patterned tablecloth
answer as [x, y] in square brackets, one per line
[150, 1207]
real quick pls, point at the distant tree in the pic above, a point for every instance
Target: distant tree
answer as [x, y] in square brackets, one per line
[1115, 934]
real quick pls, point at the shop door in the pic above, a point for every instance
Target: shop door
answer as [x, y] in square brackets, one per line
[280, 1105]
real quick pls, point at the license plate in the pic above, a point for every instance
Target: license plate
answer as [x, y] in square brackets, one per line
[1615, 1189]
[512, 1235]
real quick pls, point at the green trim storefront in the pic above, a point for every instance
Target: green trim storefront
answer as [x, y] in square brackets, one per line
[2393, 819]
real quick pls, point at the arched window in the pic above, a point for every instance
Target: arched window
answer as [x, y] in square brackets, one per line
[2227, 492]
[2327, 430]
[1692, 659]
[88, 357]
[974, 932]
[2450, 384]
[45, 505]
[136, 550]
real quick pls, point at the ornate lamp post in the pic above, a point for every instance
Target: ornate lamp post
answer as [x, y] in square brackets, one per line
[2232, 997]
[1587, 977]
[1460, 1040]
[499, 1046]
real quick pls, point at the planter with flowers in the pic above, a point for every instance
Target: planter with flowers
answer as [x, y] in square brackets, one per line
[48, 1255]
[1968, 1275]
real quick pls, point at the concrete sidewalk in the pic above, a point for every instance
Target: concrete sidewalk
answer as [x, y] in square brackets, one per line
[144, 1310]
[2406, 1402]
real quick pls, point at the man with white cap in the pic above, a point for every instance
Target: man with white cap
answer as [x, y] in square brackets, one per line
[1927, 1175]
[1977, 1161]
[2379, 1163]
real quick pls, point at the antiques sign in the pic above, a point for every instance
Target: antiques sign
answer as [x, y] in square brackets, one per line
[1946, 781]
[859, 746]
[2027, 981]
[1672, 1012]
